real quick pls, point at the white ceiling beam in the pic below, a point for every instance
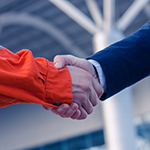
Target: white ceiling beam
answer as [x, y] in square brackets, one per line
[76, 15]
[43, 25]
[95, 12]
[131, 14]
[5, 3]
[147, 11]
[109, 14]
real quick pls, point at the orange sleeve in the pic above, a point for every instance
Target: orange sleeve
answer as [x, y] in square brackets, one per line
[24, 79]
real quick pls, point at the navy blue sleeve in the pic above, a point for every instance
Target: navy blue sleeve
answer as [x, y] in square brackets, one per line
[125, 62]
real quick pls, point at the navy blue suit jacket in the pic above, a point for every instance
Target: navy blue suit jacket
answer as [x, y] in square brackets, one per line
[125, 62]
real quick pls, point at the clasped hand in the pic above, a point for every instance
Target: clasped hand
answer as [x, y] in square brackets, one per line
[86, 89]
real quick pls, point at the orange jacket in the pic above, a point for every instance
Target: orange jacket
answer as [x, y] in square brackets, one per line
[24, 79]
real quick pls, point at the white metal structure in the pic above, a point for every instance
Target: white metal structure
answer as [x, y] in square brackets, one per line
[118, 127]
[117, 112]
[76, 15]
[43, 25]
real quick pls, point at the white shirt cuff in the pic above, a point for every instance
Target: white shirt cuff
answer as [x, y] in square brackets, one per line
[100, 72]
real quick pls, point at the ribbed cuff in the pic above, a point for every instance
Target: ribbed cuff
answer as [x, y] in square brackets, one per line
[58, 85]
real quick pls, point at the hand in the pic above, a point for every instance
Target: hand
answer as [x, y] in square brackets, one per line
[85, 94]
[61, 61]
[85, 90]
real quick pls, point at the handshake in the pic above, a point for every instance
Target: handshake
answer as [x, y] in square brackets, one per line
[28, 80]
[86, 89]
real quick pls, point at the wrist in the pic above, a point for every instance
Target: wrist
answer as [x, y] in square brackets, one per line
[99, 72]
[96, 74]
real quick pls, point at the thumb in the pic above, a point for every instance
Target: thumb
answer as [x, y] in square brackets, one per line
[60, 61]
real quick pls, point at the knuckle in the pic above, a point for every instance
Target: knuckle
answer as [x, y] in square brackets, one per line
[62, 116]
[101, 92]
[74, 106]
[87, 87]
[95, 103]
[90, 110]
[67, 116]
[83, 117]
[76, 115]
[56, 57]
[82, 97]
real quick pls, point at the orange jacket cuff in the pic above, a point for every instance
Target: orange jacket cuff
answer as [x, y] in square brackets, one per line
[58, 85]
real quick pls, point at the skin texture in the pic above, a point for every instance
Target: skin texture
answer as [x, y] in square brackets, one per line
[86, 89]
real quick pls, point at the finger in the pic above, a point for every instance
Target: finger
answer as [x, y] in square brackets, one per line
[83, 114]
[76, 115]
[72, 109]
[82, 100]
[85, 65]
[46, 107]
[93, 97]
[59, 62]
[97, 87]
[61, 110]
[87, 106]
[62, 60]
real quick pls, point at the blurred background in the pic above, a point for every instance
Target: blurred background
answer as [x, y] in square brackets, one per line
[52, 27]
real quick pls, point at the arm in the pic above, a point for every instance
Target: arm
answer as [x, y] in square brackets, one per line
[125, 62]
[24, 79]
[28, 80]
[86, 92]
